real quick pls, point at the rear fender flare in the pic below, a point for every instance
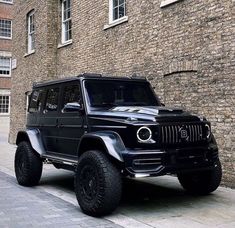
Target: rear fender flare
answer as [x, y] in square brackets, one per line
[34, 137]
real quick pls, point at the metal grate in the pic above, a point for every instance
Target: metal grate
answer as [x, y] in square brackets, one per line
[185, 133]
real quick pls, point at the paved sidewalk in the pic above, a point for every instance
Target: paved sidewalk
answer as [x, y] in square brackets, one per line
[154, 202]
[31, 207]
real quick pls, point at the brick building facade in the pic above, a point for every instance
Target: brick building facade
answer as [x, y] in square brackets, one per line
[6, 15]
[185, 48]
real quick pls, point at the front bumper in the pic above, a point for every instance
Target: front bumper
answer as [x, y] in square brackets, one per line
[140, 163]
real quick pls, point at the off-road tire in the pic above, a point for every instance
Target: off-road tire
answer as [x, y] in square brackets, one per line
[28, 165]
[98, 184]
[202, 183]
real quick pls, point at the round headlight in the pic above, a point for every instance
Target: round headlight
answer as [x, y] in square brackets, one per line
[144, 134]
[208, 131]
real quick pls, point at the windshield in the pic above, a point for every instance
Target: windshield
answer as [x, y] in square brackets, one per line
[111, 93]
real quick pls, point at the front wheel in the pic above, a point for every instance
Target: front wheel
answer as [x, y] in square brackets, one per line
[203, 182]
[98, 184]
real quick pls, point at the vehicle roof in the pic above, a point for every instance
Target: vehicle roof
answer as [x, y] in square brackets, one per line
[87, 76]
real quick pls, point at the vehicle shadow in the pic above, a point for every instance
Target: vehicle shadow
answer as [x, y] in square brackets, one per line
[57, 178]
[156, 194]
[153, 194]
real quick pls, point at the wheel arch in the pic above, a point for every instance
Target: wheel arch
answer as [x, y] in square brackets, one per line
[107, 141]
[33, 137]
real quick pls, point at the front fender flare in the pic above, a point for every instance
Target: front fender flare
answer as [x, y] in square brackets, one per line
[34, 137]
[110, 140]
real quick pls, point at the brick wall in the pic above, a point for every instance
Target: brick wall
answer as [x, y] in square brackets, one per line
[186, 50]
[5, 83]
[6, 12]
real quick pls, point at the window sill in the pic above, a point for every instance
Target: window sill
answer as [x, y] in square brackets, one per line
[30, 53]
[69, 42]
[9, 3]
[165, 3]
[5, 76]
[116, 22]
[5, 38]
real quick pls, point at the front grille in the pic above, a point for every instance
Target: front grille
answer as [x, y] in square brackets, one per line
[181, 133]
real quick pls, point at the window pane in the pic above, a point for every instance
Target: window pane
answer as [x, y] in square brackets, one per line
[66, 21]
[119, 93]
[121, 2]
[5, 28]
[5, 65]
[31, 23]
[66, 10]
[36, 101]
[115, 3]
[69, 3]
[33, 41]
[52, 99]
[4, 104]
[71, 94]
[31, 32]
[115, 13]
[68, 31]
[119, 9]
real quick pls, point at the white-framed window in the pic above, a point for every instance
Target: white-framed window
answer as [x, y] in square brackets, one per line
[5, 29]
[4, 104]
[7, 1]
[31, 31]
[117, 10]
[5, 66]
[66, 35]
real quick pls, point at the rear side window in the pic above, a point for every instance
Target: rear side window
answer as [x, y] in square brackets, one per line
[71, 95]
[52, 100]
[36, 101]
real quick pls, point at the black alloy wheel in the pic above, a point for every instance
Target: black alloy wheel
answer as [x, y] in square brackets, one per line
[98, 184]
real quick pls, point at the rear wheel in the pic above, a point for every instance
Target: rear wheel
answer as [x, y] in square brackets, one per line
[202, 183]
[98, 184]
[28, 165]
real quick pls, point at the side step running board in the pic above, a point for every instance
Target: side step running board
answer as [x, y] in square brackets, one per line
[61, 160]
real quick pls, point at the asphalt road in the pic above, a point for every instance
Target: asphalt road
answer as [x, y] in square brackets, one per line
[154, 202]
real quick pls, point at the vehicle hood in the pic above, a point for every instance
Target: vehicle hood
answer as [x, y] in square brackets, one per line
[150, 113]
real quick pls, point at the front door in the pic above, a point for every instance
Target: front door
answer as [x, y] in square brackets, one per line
[70, 122]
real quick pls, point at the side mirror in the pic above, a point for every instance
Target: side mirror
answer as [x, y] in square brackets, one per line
[72, 107]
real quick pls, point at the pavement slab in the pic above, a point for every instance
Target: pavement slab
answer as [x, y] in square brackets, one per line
[22, 207]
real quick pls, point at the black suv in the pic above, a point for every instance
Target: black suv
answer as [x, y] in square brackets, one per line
[107, 128]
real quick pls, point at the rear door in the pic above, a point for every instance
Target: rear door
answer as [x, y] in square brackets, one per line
[70, 122]
[49, 119]
[34, 109]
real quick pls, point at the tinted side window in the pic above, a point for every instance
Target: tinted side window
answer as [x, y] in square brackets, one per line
[71, 95]
[36, 101]
[52, 100]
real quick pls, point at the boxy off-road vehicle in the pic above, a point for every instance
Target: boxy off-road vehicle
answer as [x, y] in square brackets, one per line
[108, 128]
